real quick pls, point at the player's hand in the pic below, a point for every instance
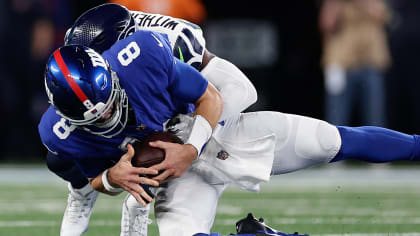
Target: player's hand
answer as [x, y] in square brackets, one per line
[178, 158]
[124, 175]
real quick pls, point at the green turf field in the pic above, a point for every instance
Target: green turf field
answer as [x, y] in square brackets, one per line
[377, 203]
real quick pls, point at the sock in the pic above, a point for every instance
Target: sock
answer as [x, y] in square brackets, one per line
[84, 190]
[375, 144]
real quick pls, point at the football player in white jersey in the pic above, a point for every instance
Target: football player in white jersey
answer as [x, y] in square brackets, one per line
[243, 149]
[94, 29]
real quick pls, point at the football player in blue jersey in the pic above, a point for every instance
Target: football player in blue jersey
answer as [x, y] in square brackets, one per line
[90, 126]
[100, 102]
[99, 28]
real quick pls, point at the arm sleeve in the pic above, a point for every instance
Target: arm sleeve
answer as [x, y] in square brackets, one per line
[187, 83]
[237, 90]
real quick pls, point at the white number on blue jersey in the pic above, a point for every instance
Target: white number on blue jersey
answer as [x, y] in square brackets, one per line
[129, 53]
[62, 130]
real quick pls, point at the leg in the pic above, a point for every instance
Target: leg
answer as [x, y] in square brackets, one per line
[299, 141]
[311, 142]
[67, 170]
[81, 198]
[303, 142]
[375, 144]
[186, 206]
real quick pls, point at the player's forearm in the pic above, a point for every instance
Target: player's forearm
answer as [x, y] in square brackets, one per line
[209, 108]
[99, 186]
[210, 105]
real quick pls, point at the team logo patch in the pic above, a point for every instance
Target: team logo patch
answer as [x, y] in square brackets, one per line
[222, 155]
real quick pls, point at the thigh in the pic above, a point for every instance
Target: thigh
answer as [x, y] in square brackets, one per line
[308, 142]
[300, 141]
[67, 170]
[186, 205]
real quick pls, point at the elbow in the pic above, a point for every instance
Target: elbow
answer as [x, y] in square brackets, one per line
[249, 95]
[252, 94]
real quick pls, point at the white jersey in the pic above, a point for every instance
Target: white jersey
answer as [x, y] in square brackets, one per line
[186, 38]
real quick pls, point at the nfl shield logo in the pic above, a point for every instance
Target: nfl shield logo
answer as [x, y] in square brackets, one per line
[222, 155]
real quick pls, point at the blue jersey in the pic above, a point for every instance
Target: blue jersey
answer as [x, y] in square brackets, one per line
[158, 87]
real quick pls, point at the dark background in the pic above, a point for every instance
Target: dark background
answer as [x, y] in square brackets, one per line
[291, 82]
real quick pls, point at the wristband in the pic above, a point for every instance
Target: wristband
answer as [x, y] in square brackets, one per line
[200, 133]
[107, 185]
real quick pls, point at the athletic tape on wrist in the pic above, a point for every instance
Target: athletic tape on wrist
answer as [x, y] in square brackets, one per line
[107, 185]
[200, 133]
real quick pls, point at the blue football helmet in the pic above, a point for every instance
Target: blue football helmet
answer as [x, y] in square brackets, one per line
[84, 90]
[100, 27]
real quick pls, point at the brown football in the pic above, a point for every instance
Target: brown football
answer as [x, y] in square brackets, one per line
[145, 155]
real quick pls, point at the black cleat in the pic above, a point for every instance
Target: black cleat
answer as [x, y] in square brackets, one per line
[250, 225]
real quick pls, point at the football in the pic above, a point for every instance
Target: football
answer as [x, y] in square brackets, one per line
[147, 156]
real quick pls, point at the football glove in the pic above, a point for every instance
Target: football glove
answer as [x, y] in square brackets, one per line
[180, 125]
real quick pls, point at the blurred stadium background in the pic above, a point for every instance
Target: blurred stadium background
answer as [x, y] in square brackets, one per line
[278, 44]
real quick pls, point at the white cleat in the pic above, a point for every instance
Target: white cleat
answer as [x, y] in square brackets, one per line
[79, 208]
[135, 218]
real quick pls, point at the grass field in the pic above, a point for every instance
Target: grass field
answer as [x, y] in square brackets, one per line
[327, 201]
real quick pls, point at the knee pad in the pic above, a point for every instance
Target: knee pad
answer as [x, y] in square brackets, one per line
[317, 140]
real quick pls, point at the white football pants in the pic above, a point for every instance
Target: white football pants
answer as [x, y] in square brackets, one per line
[187, 205]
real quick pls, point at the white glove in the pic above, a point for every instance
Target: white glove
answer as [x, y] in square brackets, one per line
[180, 125]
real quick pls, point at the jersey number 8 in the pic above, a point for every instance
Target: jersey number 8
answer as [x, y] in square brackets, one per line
[62, 130]
[129, 53]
